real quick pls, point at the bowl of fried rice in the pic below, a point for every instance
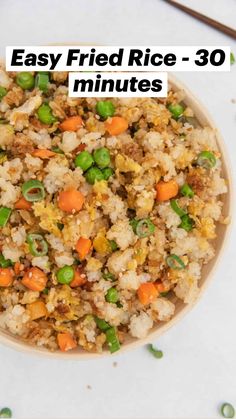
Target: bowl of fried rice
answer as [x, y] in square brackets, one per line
[113, 214]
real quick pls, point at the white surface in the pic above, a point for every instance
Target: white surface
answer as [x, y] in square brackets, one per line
[198, 370]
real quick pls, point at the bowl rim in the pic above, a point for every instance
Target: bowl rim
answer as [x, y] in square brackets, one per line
[13, 342]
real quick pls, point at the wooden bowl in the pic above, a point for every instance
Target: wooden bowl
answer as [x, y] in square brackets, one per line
[222, 232]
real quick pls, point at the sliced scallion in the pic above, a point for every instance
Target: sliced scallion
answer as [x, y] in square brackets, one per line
[143, 228]
[174, 262]
[155, 352]
[176, 208]
[227, 410]
[4, 216]
[206, 159]
[186, 190]
[112, 340]
[102, 324]
[187, 223]
[33, 190]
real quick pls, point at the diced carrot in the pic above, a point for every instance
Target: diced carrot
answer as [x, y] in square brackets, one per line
[6, 277]
[166, 190]
[160, 287]
[22, 204]
[70, 200]
[71, 124]
[66, 341]
[83, 247]
[79, 279]
[116, 125]
[147, 292]
[35, 279]
[37, 309]
[17, 268]
[43, 153]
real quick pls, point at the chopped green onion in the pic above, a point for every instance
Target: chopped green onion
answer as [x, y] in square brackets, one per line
[65, 275]
[144, 228]
[206, 159]
[232, 58]
[186, 190]
[4, 216]
[155, 352]
[57, 150]
[41, 81]
[60, 226]
[45, 114]
[45, 291]
[227, 410]
[112, 295]
[113, 245]
[3, 92]
[5, 263]
[187, 223]
[112, 340]
[102, 324]
[5, 413]
[33, 190]
[174, 262]
[108, 275]
[37, 245]
[134, 224]
[176, 110]
[176, 208]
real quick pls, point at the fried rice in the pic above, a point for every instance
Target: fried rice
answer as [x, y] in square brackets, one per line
[137, 250]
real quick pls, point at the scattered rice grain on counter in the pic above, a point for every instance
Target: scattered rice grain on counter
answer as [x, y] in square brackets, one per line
[108, 210]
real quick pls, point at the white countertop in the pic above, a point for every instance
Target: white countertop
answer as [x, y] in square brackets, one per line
[198, 370]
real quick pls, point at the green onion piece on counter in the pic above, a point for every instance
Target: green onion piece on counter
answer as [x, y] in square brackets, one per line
[94, 174]
[187, 223]
[25, 80]
[176, 110]
[3, 92]
[41, 81]
[84, 160]
[112, 295]
[5, 263]
[57, 150]
[176, 208]
[155, 352]
[107, 173]
[37, 245]
[105, 108]
[102, 157]
[65, 275]
[33, 190]
[232, 58]
[227, 410]
[5, 413]
[174, 262]
[112, 340]
[206, 159]
[108, 275]
[144, 228]
[102, 324]
[113, 245]
[4, 216]
[186, 190]
[45, 114]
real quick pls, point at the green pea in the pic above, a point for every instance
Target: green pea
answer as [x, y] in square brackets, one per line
[176, 110]
[5, 413]
[65, 275]
[84, 160]
[93, 175]
[107, 172]
[45, 114]
[25, 80]
[3, 92]
[102, 157]
[105, 108]
[112, 295]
